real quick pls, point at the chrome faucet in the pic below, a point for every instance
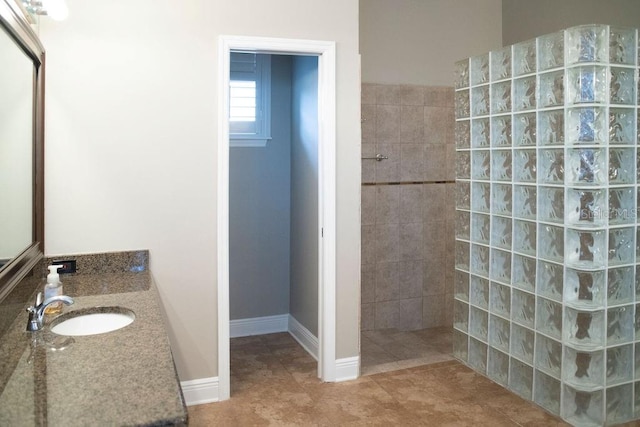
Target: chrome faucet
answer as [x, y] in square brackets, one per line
[36, 313]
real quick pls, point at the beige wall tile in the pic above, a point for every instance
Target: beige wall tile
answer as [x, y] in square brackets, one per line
[412, 162]
[388, 94]
[386, 315]
[387, 281]
[411, 278]
[368, 94]
[411, 241]
[410, 314]
[368, 209]
[388, 124]
[412, 95]
[368, 283]
[434, 159]
[387, 204]
[411, 203]
[388, 170]
[433, 311]
[368, 244]
[387, 241]
[368, 124]
[411, 124]
[367, 317]
[368, 166]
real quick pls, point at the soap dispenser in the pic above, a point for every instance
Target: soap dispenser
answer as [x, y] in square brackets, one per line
[53, 288]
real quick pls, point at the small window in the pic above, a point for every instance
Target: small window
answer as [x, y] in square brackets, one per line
[249, 99]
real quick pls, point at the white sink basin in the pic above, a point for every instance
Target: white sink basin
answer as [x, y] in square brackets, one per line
[92, 321]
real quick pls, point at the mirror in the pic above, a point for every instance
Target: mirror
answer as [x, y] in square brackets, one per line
[21, 146]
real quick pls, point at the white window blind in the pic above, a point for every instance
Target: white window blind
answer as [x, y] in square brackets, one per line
[249, 99]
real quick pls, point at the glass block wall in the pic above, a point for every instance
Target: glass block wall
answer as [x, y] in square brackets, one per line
[546, 221]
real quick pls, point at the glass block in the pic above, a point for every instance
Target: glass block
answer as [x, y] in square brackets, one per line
[480, 101]
[550, 242]
[463, 195]
[548, 356]
[620, 285]
[462, 255]
[501, 131]
[525, 166]
[622, 122]
[622, 89]
[582, 408]
[463, 134]
[525, 237]
[501, 266]
[480, 228]
[587, 84]
[586, 166]
[622, 248]
[551, 166]
[479, 292]
[524, 58]
[479, 69]
[481, 198]
[480, 260]
[550, 51]
[460, 315]
[587, 125]
[500, 299]
[551, 204]
[622, 166]
[499, 333]
[461, 74]
[636, 358]
[478, 323]
[501, 166]
[585, 249]
[523, 308]
[584, 329]
[585, 289]
[481, 165]
[463, 223]
[622, 205]
[622, 45]
[522, 340]
[549, 317]
[460, 345]
[619, 364]
[547, 392]
[478, 355]
[586, 208]
[586, 43]
[502, 197]
[636, 388]
[501, 97]
[463, 165]
[501, 232]
[524, 129]
[619, 401]
[498, 369]
[583, 369]
[521, 378]
[620, 325]
[461, 285]
[524, 94]
[524, 272]
[462, 104]
[481, 135]
[524, 201]
[501, 64]
[551, 89]
[638, 284]
[551, 127]
[550, 282]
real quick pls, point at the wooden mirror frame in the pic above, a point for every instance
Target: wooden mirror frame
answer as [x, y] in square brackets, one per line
[14, 19]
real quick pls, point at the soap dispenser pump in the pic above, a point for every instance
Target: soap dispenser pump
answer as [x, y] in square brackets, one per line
[53, 288]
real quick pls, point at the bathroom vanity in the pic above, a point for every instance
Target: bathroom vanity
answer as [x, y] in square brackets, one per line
[123, 377]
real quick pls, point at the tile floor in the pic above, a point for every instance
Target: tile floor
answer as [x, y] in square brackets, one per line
[389, 349]
[274, 382]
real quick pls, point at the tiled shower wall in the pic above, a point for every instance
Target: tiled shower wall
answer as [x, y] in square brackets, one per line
[407, 206]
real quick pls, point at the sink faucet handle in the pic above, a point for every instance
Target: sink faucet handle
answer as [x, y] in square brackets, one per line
[36, 313]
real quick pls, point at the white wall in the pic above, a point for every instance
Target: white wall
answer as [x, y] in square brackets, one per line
[418, 41]
[131, 145]
[304, 192]
[259, 205]
[526, 19]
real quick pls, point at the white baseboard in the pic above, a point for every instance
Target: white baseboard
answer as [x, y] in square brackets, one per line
[203, 390]
[305, 338]
[347, 368]
[258, 326]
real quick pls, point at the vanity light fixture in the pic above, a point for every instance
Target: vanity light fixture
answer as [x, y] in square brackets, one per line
[54, 9]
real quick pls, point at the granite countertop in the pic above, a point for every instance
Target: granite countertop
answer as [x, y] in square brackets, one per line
[124, 377]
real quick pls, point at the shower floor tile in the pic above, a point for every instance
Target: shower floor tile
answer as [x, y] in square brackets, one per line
[389, 349]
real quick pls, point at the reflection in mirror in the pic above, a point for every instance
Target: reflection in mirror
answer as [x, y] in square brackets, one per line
[16, 149]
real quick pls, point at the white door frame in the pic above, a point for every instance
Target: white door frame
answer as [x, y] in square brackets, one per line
[326, 52]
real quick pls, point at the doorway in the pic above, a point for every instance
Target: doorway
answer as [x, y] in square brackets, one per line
[325, 53]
